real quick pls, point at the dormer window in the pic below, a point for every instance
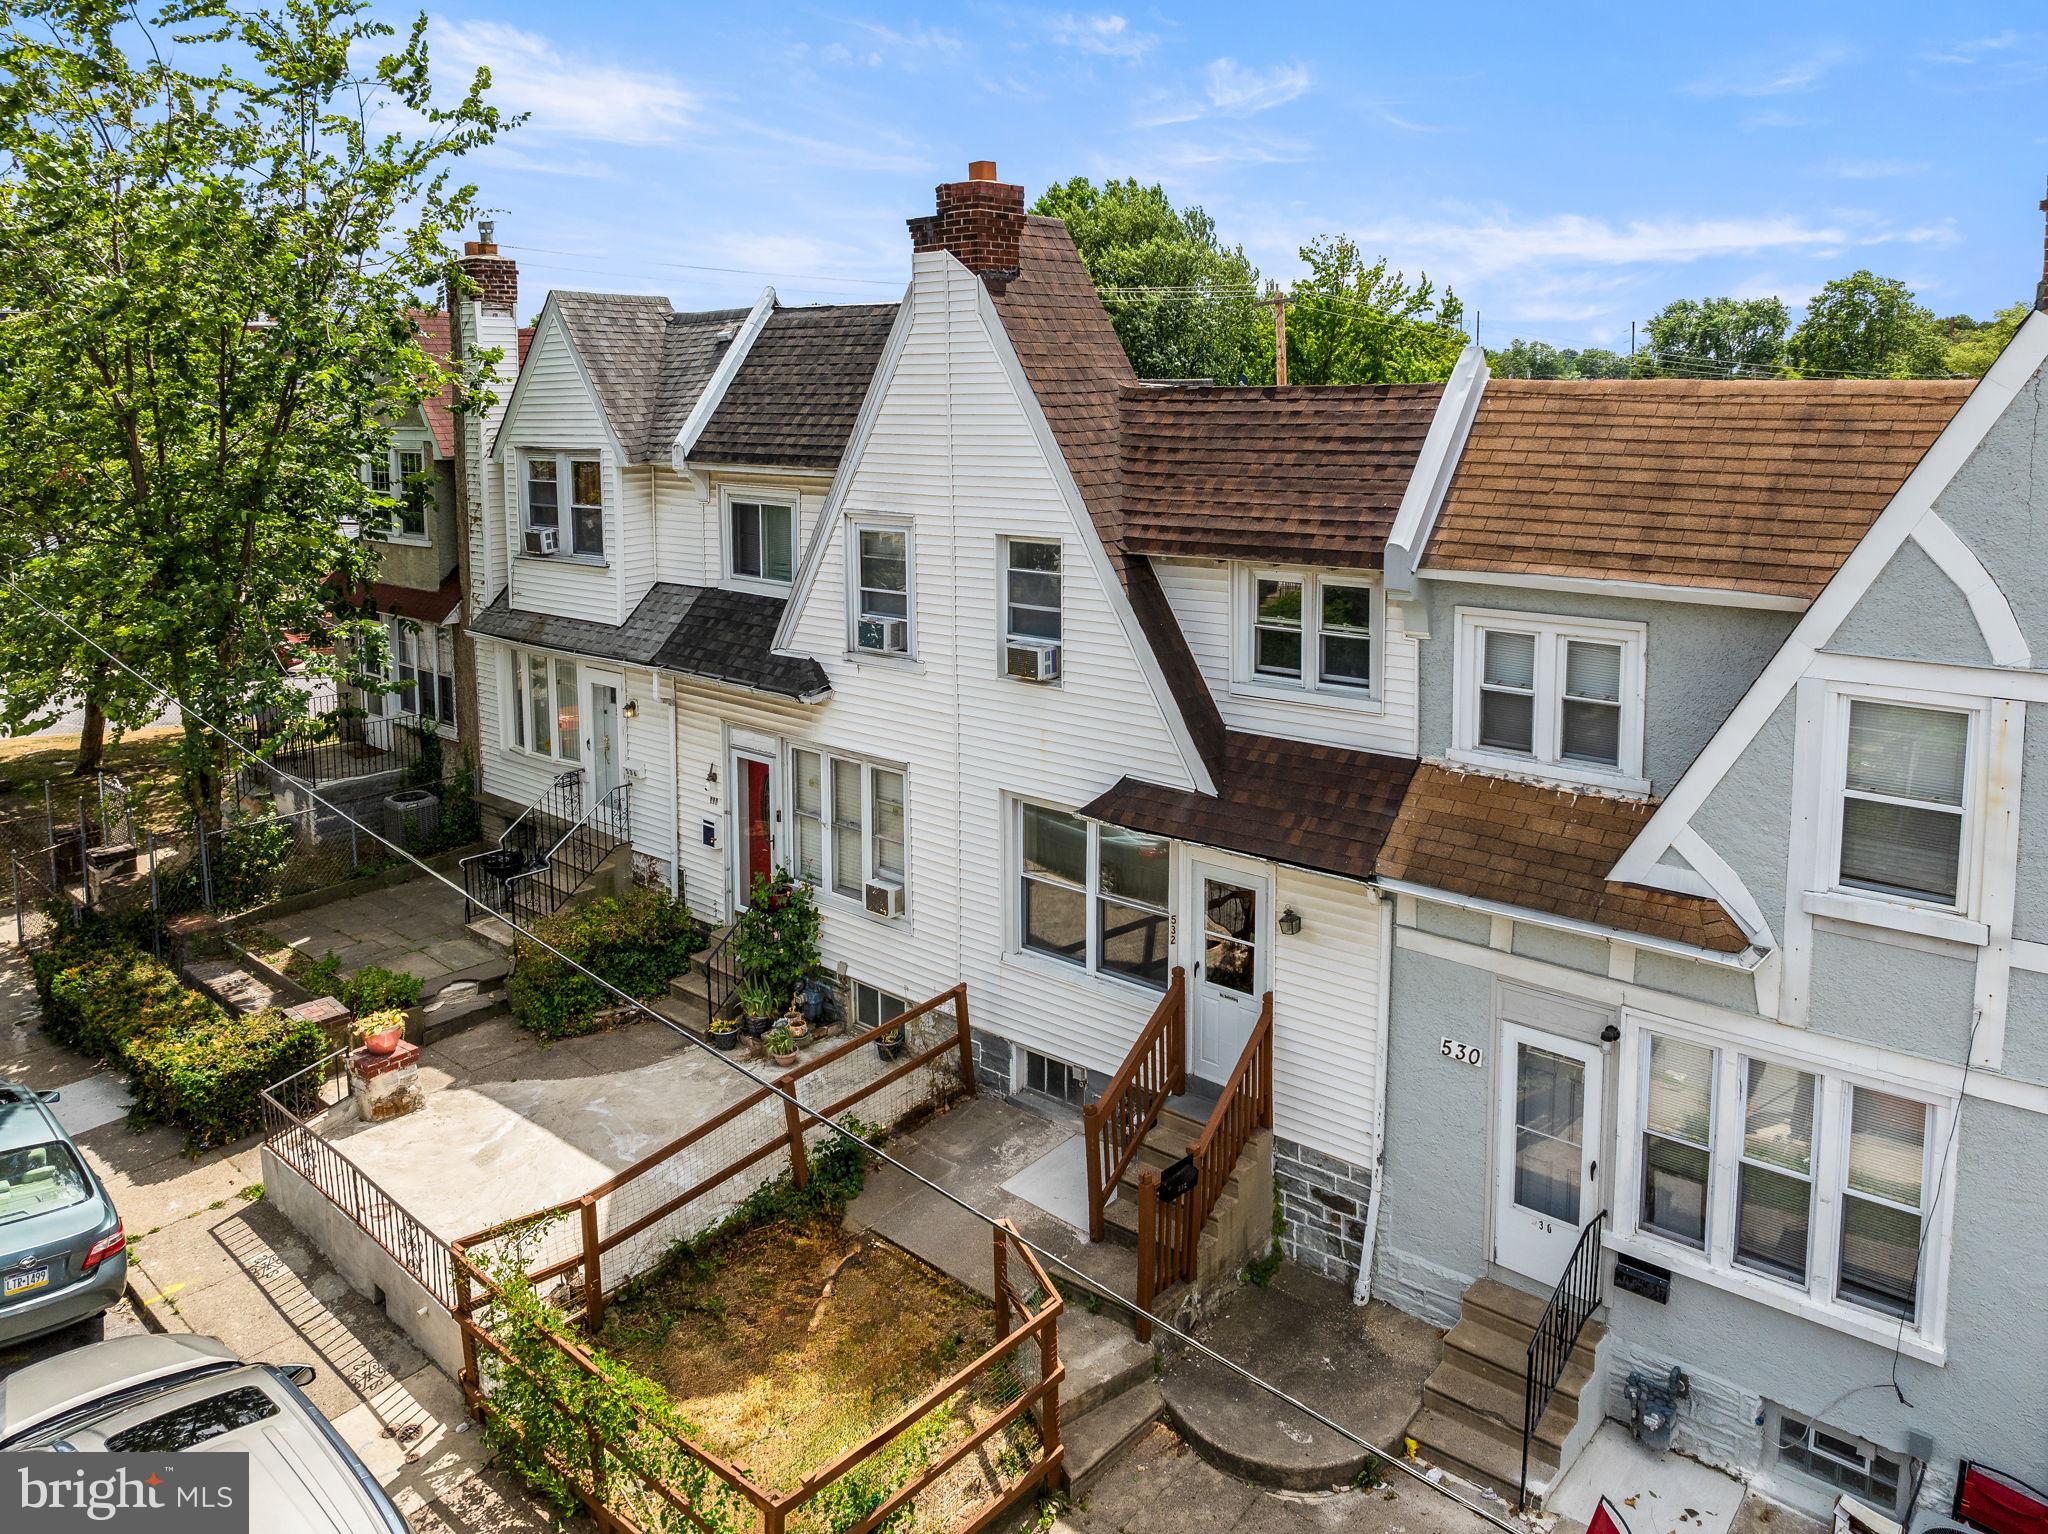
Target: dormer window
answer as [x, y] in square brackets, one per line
[1308, 631]
[880, 559]
[762, 538]
[1553, 697]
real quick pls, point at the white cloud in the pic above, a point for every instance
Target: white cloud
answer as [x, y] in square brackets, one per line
[565, 93]
[914, 47]
[1973, 51]
[1109, 35]
[1875, 170]
[1501, 243]
[1229, 89]
[1774, 78]
[872, 155]
[1195, 153]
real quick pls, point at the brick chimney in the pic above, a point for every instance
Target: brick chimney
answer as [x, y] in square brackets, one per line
[496, 276]
[980, 220]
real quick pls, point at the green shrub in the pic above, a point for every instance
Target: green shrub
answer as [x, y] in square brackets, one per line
[638, 942]
[374, 988]
[426, 767]
[321, 976]
[775, 941]
[189, 1060]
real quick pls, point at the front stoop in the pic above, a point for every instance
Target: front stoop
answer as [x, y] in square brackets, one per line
[1240, 1226]
[1471, 1417]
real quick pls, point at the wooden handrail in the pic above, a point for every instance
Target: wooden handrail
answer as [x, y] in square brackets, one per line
[1116, 1123]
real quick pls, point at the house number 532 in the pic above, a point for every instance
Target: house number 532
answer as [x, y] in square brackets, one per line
[1464, 1054]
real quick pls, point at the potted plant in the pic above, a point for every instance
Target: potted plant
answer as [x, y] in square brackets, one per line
[379, 1033]
[793, 1022]
[782, 1047]
[890, 1045]
[759, 1007]
[724, 1033]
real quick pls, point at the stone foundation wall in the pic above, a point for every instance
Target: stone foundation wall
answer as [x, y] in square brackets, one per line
[992, 1063]
[1322, 1208]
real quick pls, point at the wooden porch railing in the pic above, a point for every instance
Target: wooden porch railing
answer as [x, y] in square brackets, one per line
[1116, 1123]
[1170, 1234]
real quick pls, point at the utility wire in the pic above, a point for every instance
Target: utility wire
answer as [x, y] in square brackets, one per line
[789, 1099]
[687, 266]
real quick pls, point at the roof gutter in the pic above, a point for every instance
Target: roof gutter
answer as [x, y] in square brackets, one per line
[1744, 962]
[1430, 481]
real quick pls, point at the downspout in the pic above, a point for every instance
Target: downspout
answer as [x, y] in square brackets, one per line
[1361, 1286]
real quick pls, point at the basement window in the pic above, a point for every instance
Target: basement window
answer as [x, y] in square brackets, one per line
[1055, 1079]
[1840, 1461]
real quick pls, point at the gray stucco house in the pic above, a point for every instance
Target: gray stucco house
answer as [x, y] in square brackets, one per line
[1722, 920]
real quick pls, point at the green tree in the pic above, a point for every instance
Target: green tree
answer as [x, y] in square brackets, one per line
[1131, 237]
[1866, 325]
[207, 259]
[1716, 337]
[1973, 345]
[1351, 323]
[1539, 359]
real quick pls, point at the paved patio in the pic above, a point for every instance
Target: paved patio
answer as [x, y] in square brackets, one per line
[414, 928]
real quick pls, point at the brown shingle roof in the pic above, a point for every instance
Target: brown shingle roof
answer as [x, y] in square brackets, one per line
[1544, 849]
[434, 341]
[1319, 807]
[793, 401]
[647, 363]
[1312, 474]
[1748, 486]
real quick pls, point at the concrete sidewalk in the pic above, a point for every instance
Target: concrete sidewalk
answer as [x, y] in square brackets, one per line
[207, 1254]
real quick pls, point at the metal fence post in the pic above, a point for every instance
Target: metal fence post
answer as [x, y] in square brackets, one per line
[354, 859]
[20, 919]
[156, 913]
[205, 871]
[49, 817]
[84, 861]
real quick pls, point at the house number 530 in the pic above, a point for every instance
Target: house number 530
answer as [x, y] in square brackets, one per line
[1464, 1054]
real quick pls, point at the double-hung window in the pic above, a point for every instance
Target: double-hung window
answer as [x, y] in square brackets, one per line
[545, 716]
[1905, 801]
[1310, 630]
[850, 822]
[763, 535]
[1561, 698]
[553, 479]
[405, 653]
[399, 480]
[1094, 896]
[881, 589]
[1793, 1181]
[1031, 590]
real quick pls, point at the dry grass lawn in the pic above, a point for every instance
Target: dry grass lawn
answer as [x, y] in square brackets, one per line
[795, 1343]
[145, 761]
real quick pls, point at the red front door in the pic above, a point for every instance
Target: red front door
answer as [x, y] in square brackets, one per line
[759, 825]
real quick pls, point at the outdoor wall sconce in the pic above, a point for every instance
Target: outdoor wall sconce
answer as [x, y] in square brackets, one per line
[711, 776]
[1290, 921]
[632, 709]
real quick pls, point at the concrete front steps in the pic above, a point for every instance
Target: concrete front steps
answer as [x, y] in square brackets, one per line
[1471, 1417]
[1240, 1226]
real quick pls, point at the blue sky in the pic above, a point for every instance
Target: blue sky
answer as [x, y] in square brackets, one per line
[1565, 176]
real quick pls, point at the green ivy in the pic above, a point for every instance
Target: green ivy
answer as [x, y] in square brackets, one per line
[775, 940]
[638, 942]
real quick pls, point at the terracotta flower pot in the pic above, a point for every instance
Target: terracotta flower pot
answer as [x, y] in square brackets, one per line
[383, 1043]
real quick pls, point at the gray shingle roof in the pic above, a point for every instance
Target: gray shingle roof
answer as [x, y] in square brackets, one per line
[649, 364]
[793, 402]
[722, 636]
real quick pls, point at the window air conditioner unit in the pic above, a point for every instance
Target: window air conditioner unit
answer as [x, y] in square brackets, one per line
[1032, 662]
[890, 636]
[541, 540]
[882, 897]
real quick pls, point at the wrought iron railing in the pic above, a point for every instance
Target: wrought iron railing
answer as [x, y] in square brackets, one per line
[572, 858]
[334, 745]
[290, 1108]
[1117, 1122]
[721, 976]
[523, 844]
[1571, 1306]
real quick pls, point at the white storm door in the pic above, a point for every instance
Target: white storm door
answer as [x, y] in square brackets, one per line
[1231, 966]
[1546, 1149]
[606, 750]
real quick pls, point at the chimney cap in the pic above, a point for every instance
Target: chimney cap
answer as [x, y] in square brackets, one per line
[981, 170]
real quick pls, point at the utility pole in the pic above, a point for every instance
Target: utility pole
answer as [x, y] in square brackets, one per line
[1279, 300]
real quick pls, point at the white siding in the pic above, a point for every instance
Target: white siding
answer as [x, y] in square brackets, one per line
[1199, 592]
[1326, 1028]
[632, 550]
[485, 535]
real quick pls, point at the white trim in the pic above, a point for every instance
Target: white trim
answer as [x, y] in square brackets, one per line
[1724, 885]
[1501, 911]
[842, 477]
[1645, 591]
[1549, 635]
[1965, 432]
[769, 494]
[1961, 565]
[721, 379]
[1914, 1073]
[1309, 688]
[1090, 969]
[1874, 911]
[1091, 537]
[1430, 479]
[869, 521]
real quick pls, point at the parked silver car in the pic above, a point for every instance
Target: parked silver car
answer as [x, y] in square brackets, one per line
[154, 1395]
[63, 1253]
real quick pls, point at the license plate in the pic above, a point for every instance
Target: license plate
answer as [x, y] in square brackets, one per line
[22, 1283]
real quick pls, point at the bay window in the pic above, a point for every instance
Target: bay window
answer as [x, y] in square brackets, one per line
[1093, 896]
[1309, 630]
[1560, 698]
[851, 825]
[545, 716]
[1792, 1181]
